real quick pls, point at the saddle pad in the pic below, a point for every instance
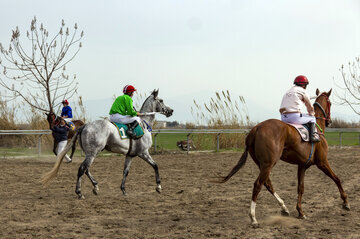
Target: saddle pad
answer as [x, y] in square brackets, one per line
[303, 131]
[122, 128]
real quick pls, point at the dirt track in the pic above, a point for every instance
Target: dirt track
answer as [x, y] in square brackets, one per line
[190, 206]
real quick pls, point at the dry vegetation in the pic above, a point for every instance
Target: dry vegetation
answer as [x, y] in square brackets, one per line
[14, 116]
[221, 112]
[339, 123]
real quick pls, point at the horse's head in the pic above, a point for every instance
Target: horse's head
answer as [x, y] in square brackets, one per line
[52, 118]
[322, 107]
[155, 104]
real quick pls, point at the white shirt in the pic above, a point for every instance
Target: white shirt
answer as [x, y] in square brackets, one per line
[293, 100]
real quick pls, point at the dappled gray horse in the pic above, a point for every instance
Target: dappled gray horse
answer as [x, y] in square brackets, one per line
[102, 134]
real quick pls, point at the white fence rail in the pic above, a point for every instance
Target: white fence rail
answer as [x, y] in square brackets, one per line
[188, 132]
[28, 132]
[340, 131]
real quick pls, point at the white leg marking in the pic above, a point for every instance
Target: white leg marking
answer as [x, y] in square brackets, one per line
[252, 212]
[281, 203]
[158, 188]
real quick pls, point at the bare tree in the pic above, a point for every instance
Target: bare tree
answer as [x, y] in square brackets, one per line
[35, 72]
[350, 88]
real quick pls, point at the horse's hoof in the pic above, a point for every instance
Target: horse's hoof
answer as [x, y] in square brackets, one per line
[81, 197]
[158, 189]
[96, 190]
[255, 224]
[346, 207]
[302, 217]
[285, 213]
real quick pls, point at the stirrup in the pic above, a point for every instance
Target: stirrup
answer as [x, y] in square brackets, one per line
[131, 134]
[315, 138]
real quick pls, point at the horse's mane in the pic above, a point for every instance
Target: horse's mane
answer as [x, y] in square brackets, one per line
[144, 103]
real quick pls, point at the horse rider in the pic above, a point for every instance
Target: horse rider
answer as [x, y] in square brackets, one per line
[61, 132]
[66, 112]
[122, 110]
[292, 102]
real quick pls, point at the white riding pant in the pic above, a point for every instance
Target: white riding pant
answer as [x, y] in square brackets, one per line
[124, 119]
[298, 118]
[68, 119]
[60, 148]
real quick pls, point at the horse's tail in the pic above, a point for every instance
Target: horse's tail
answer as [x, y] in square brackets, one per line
[53, 172]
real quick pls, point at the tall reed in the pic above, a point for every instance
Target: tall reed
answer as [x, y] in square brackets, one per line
[221, 112]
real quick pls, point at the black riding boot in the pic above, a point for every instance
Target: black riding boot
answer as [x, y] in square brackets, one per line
[131, 128]
[314, 137]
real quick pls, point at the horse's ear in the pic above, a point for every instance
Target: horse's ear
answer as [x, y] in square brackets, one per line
[155, 93]
[328, 94]
[317, 91]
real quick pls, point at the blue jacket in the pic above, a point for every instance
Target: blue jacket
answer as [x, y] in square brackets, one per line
[60, 133]
[66, 111]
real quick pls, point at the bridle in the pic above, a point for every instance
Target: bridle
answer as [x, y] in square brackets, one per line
[55, 118]
[327, 116]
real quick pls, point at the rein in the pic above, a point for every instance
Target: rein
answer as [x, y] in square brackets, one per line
[322, 110]
[326, 117]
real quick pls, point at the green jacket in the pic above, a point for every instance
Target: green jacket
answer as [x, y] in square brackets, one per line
[123, 105]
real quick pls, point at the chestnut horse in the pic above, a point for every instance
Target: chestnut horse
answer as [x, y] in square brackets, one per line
[273, 139]
[53, 119]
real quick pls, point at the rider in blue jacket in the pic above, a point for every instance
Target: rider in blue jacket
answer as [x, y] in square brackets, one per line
[66, 112]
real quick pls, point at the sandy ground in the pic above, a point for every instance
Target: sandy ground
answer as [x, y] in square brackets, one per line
[190, 205]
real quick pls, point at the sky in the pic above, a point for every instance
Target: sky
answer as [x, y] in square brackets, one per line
[191, 49]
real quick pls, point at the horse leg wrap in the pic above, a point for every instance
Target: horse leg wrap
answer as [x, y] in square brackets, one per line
[252, 213]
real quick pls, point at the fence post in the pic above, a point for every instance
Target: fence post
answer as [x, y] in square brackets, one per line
[340, 139]
[187, 142]
[39, 145]
[155, 141]
[217, 142]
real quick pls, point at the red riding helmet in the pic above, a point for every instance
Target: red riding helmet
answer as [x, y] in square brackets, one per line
[65, 102]
[128, 89]
[301, 80]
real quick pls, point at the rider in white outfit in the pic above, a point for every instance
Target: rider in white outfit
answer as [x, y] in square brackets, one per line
[293, 101]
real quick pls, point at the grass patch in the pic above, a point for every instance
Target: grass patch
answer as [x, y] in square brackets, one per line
[347, 139]
[168, 141]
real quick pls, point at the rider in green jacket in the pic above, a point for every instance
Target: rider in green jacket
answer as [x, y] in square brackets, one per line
[123, 112]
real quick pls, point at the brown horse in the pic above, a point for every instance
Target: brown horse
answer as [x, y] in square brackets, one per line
[273, 139]
[53, 119]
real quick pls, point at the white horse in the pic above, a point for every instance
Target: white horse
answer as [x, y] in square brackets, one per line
[102, 134]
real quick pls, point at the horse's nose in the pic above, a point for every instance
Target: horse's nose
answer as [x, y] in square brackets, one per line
[169, 112]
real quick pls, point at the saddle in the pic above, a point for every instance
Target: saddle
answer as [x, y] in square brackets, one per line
[303, 130]
[122, 128]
